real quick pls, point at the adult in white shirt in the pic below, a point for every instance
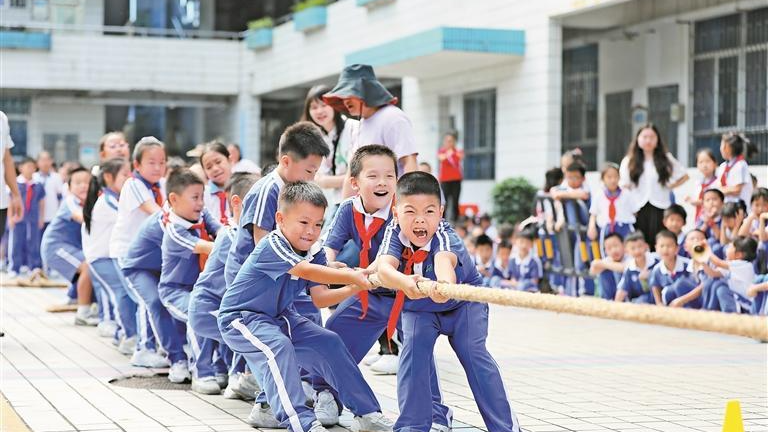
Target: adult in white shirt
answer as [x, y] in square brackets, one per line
[10, 198]
[238, 163]
[53, 184]
[651, 172]
[337, 133]
[359, 94]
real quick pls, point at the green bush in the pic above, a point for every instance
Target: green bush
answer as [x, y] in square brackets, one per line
[306, 4]
[261, 23]
[513, 200]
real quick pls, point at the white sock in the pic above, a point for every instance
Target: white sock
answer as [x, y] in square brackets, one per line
[83, 310]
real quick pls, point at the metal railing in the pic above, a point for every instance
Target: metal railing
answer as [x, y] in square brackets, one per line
[121, 30]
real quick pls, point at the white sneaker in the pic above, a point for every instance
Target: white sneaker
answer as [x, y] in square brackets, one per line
[206, 385]
[150, 359]
[179, 372]
[326, 409]
[86, 319]
[309, 393]
[437, 427]
[371, 359]
[107, 329]
[222, 380]
[317, 427]
[373, 422]
[241, 386]
[127, 346]
[261, 416]
[388, 364]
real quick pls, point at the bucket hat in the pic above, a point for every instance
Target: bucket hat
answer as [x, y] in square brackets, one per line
[358, 80]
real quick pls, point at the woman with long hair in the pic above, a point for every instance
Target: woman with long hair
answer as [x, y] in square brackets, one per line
[650, 170]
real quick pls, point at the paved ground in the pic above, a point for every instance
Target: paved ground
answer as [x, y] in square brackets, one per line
[564, 373]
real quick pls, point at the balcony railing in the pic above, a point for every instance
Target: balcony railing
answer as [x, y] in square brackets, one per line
[120, 30]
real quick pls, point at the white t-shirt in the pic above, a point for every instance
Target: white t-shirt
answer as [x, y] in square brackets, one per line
[388, 126]
[738, 174]
[246, 165]
[343, 156]
[648, 189]
[103, 218]
[213, 203]
[54, 191]
[129, 215]
[740, 276]
[625, 204]
[5, 143]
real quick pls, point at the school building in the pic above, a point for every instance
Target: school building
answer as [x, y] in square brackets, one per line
[519, 80]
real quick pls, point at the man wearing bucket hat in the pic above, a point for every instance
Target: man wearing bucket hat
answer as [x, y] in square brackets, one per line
[360, 95]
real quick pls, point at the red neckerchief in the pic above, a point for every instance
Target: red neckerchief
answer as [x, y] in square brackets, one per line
[410, 258]
[612, 206]
[30, 195]
[203, 235]
[366, 234]
[704, 185]
[728, 166]
[222, 206]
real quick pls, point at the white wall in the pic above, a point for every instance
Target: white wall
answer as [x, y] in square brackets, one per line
[86, 120]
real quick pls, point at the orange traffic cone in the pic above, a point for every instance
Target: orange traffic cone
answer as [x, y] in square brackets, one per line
[733, 421]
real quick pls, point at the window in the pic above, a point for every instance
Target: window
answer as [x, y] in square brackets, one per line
[580, 83]
[18, 3]
[660, 101]
[730, 80]
[618, 125]
[480, 135]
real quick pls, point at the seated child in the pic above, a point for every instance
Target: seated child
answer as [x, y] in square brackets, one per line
[24, 235]
[610, 268]
[525, 269]
[759, 292]
[683, 297]
[671, 274]
[257, 317]
[733, 216]
[633, 285]
[674, 221]
[484, 257]
[420, 245]
[729, 291]
[501, 276]
[710, 218]
[759, 205]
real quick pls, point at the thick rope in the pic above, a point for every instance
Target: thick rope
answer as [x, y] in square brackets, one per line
[718, 322]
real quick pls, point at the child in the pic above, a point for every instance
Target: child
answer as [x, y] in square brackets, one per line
[484, 257]
[674, 221]
[62, 247]
[141, 195]
[734, 179]
[609, 268]
[732, 217]
[710, 216]
[501, 265]
[24, 235]
[671, 274]
[612, 211]
[258, 320]
[525, 269]
[730, 288]
[759, 205]
[185, 245]
[486, 223]
[707, 165]
[360, 320]
[54, 186]
[633, 285]
[207, 292]
[422, 246]
[759, 291]
[683, 295]
[218, 170]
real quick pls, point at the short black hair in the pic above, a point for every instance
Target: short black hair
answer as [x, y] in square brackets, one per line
[613, 235]
[26, 160]
[301, 140]
[634, 236]
[483, 240]
[505, 244]
[730, 209]
[747, 246]
[576, 166]
[301, 191]
[759, 193]
[666, 234]
[717, 192]
[356, 164]
[528, 233]
[552, 178]
[240, 183]
[676, 209]
[180, 179]
[418, 183]
[695, 230]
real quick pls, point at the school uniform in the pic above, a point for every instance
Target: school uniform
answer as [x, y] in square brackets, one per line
[499, 273]
[614, 212]
[672, 283]
[361, 319]
[485, 269]
[609, 282]
[465, 324]
[216, 203]
[705, 185]
[258, 319]
[106, 276]
[576, 215]
[135, 192]
[527, 271]
[729, 293]
[62, 247]
[760, 302]
[637, 290]
[141, 267]
[54, 189]
[24, 236]
[180, 270]
[735, 172]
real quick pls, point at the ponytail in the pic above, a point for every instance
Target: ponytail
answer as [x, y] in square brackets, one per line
[111, 167]
[740, 145]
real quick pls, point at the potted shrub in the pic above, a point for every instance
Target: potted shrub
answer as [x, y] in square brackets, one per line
[310, 15]
[513, 200]
[259, 34]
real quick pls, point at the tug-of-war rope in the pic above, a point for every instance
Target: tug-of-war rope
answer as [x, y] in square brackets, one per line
[711, 321]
